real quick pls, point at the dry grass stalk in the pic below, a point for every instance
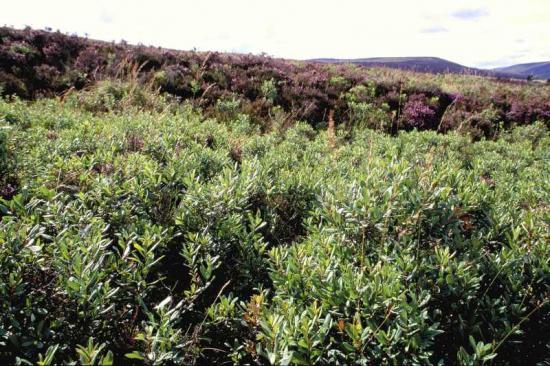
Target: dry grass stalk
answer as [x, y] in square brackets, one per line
[331, 130]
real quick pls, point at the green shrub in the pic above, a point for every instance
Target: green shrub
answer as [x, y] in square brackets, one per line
[531, 134]
[3, 152]
[367, 115]
[227, 109]
[339, 82]
[361, 93]
[269, 90]
[158, 236]
[484, 124]
[117, 96]
[363, 110]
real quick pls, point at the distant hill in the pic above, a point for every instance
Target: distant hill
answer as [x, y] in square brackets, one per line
[423, 64]
[539, 70]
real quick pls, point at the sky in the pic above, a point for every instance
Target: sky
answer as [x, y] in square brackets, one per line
[482, 33]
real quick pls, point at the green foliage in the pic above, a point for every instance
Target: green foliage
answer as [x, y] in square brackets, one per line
[269, 90]
[91, 354]
[227, 109]
[146, 233]
[484, 123]
[160, 78]
[481, 354]
[161, 341]
[3, 152]
[361, 93]
[363, 110]
[367, 115]
[533, 133]
[339, 82]
[116, 96]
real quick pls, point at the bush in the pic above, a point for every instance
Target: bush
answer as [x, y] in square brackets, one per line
[116, 96]
[366, 115]
[532, 134]
[269, 90]
[227, 109]
[419, 112]
[139, 231]
[484, 124]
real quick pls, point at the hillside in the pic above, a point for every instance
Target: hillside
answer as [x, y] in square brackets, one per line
[39, 63]
[162, 207]
[539, 70]
[423, 64]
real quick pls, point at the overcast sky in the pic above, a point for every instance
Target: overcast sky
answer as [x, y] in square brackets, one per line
[482, 33]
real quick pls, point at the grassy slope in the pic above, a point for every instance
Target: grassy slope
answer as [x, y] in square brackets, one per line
[171, 238]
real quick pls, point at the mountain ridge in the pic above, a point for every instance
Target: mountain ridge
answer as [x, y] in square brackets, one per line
[538, 70]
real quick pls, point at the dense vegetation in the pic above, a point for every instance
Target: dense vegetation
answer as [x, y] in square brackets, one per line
[166, 207]
[139, 229]
[35, 63]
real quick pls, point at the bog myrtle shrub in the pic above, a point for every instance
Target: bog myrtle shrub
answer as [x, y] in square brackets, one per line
[141, 231]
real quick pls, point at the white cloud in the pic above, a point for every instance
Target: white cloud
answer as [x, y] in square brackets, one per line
[306, 29]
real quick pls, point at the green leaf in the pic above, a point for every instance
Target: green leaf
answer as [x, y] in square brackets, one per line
[135, 355]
